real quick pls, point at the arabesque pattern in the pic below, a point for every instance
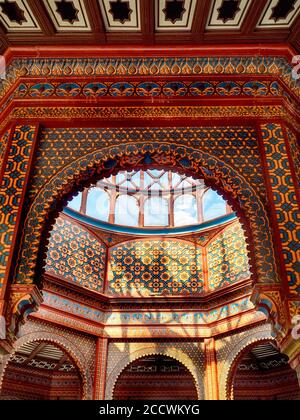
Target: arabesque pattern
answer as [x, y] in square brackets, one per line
[285, 201]
[144, 268]
[227, 258]
[11, 190]
[76, 255]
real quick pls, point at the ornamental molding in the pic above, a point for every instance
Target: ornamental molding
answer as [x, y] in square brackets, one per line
[149, 113]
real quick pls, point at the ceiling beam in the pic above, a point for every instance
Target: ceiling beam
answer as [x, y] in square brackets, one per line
[253, 14]
[62, 360]
[42, 17]
[200, 20]
[294, 37]
[96, 21]
[148, 21]
[35, 352]
[4, 43]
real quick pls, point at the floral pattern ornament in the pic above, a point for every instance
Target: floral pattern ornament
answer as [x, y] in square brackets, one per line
[144, 268]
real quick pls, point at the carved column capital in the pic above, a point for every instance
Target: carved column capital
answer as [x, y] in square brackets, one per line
[23, 300]
[270, 301]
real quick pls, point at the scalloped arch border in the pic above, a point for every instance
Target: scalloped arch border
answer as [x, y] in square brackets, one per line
[252, 337]
[101, 163]
[174, 353]
[66, 345]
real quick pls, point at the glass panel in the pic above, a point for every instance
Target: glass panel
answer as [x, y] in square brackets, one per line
[136, 178]
[127, 185]
[164, 180]
[120, 178]
[75, 203]
[192, 181]
[185, 210]
[184, 184]
[213, 205]
[97, 205]
[127, 211]
[156, 187]
[176, 178]
[157, 195]
[156, 212]
[147, 180]
[156, 173]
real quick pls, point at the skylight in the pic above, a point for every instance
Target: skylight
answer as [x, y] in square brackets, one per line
[150, 198]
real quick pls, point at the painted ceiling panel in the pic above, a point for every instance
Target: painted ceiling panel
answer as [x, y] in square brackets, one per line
[68, 15]
[174, 14]
[121, 15]
[227, 14]
[17, 16]
[279, 13]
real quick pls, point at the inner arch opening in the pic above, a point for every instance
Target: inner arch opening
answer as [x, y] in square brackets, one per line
[155, 377]
[207, 252]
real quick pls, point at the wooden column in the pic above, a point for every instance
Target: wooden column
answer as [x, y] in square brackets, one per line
[100, 368]
[211, 370]
[14, 176]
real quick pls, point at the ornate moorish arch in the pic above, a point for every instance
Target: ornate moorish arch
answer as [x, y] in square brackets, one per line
[106, 161]
[260, 334]
[152, 350]
[66, 345]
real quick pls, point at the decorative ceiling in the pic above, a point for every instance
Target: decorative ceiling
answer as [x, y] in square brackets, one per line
[68, 15]
[264, 356]
[146, 22]
[43, 356]
[227, 14]
[147, 267]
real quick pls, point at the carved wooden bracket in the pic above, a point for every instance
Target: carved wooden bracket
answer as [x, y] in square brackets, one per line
[270, 302]
[24, 299]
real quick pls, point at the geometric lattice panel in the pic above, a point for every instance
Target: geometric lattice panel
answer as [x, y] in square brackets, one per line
[144, 268]
[174, 14]
[285, 201]
[76, 255]
[121, 15]
[227, 258]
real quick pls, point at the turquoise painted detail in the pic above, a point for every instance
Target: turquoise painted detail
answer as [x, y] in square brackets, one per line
[149, 231]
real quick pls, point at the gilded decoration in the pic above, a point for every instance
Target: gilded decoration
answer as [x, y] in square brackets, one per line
[151, 66]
